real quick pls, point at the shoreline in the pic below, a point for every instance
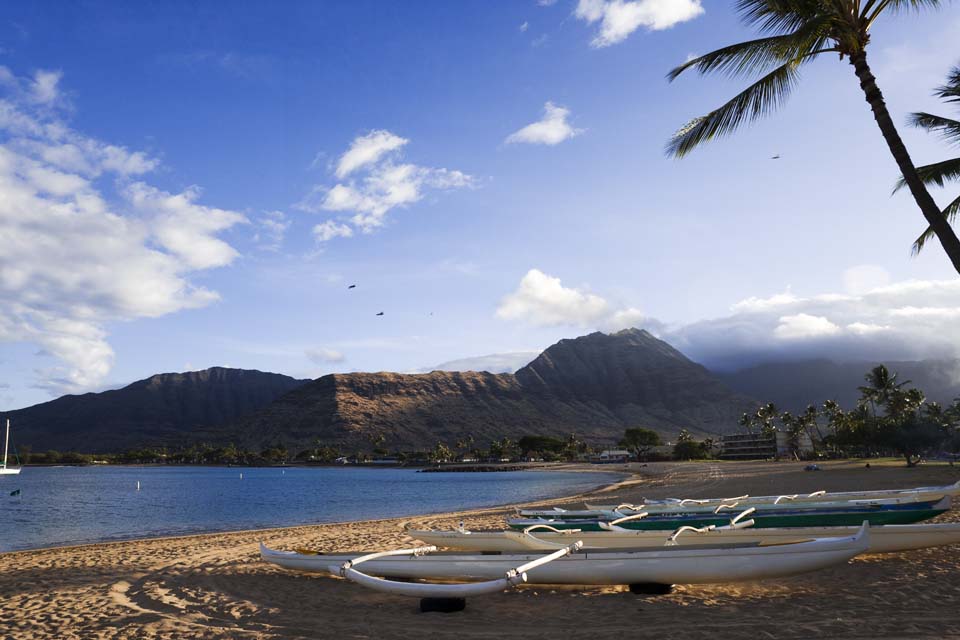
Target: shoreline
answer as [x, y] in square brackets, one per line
[216, 586]
[482, 509]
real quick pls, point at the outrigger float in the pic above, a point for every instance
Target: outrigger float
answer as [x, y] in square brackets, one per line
[645, 570]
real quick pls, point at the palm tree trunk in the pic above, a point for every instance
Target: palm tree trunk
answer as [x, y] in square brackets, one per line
[935, 217]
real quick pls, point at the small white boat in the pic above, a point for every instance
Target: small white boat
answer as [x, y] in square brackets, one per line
[4, 469]
[723, 563]
[888, 538]
[919, 494]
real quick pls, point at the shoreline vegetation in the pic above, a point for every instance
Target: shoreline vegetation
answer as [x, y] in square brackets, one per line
[215, 585]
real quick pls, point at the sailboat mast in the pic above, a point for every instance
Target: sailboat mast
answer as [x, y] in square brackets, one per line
[6, 442]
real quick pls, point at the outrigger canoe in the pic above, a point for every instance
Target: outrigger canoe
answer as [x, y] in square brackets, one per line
[883, 539]
[795, 517]
[723, 563]
[918, 494]
[675, 509]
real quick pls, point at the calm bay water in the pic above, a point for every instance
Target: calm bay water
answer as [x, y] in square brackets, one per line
[73, 505]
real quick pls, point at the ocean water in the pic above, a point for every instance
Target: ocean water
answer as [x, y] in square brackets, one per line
[74, 505]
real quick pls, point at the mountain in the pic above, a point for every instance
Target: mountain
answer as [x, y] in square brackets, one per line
[593, 386]
[641, 379]
[794, 385]
[167, 409]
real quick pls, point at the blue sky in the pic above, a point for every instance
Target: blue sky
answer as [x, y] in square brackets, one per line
[211, 138]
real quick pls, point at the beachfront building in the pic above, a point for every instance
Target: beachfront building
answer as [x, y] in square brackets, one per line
[611, 456]
[757, 446]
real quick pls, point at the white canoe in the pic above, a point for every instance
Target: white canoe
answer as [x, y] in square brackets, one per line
[666, 565]
[919, 494]
[883, 539]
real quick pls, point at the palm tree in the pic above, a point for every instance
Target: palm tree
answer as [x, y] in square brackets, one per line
[939, 172]
[794, 33]
[881, 384]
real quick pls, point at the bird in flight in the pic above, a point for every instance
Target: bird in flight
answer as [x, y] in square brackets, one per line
[776, 157]
[353, 286]
[380, 314]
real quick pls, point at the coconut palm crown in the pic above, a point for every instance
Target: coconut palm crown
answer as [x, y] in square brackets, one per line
[795, 32]
[948, 170]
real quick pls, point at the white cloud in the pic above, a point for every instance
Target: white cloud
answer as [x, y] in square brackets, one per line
[546, 3]
[271, 229]
[321, 355]
[542, 300]
[329, 230]
[524, 27]
[366, 150]
[383, 184]
[803, 325]
[865, 328]
[44, 88]
[552, 129]
[74, 258]
[493, 363]
[619, 18]
[185, 228]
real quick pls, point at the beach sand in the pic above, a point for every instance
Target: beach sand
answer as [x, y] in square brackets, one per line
[215, 586]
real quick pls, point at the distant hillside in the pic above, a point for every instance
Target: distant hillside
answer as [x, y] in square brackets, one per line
[594, 386]
[794, 385]
[168, 409]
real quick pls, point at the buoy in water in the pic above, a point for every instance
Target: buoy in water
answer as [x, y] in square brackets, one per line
[138, 485]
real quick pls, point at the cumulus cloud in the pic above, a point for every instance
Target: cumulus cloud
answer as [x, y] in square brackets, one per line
[321, 355]
[75, 258]
[552, 129]
[620, 18]
[376, 181]
[542, 300]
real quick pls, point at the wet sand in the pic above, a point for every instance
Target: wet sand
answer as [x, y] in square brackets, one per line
[215, 586]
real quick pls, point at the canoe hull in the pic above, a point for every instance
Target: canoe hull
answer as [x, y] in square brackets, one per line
[676, 565]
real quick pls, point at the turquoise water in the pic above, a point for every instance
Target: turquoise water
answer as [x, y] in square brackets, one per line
[74, 505]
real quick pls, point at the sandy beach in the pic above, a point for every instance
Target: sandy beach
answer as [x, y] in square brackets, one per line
[214, 586]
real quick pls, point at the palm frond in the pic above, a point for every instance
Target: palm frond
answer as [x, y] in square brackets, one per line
[950, 92]
[911, 5]
[758, 56]
[937, 173]
[778, 16]
[945, 127]
[759, 99]
[950, 213]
